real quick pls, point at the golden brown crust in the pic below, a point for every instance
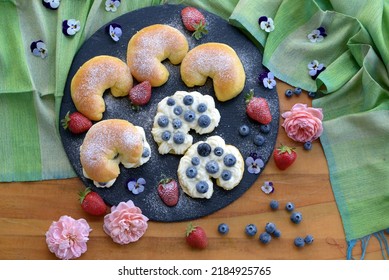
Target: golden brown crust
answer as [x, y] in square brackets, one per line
[106, 144]
[219, 62]
[93, 78]
[149, 47]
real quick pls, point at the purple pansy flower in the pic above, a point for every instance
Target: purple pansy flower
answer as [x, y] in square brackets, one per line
[267, 187]
[38, 48]
[115, 31]
[266, 23]
[136, 186]
[112, 5]
[317, 35]
[70, 27]
[269, 81]
[315, 68]
[254, 163]
[51, 4]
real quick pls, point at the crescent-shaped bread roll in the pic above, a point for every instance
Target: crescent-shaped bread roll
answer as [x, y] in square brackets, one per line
[149, 47]
[93, 78]
[219, 62]
[109, 143]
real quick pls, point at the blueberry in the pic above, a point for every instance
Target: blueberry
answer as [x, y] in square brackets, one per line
[177, 123]
[170, 101]
[179, 138]
[308, 145]
[296, 217]
[191, 172]
[218, 151]
[166, 135]
[202, 107]
[189, 116]
[264, 237]
[312, 94]
[274, 204]
[188, 100]
[163, 121]
[226, 175]
[299, 242]
[259, 140]
[177, 110]
[223, 228]
[288, 93]
[251, 230]
[229, 160]
[270, 228]
[195, 161]
[146, 152]
[212, 167]
[289, 206]
[204, 121]
[297, 91]
[204, 149]
[264, 128]
[277, 233]
[244, 130]
[308, 239]
[202, 187]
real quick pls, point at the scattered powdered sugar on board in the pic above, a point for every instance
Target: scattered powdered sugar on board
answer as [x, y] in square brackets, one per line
[159, 166]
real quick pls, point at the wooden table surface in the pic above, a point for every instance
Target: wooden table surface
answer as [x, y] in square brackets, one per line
[28, 208]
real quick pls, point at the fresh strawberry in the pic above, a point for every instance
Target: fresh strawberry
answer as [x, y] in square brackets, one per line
[194, 20]
[168, 191]
[284, 156]
[257, 108]
[140, 94]
[76, 122]
[92, 203]
[196, 237]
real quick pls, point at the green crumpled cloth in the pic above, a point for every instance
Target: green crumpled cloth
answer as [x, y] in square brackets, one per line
[355, 84]
[356, 87]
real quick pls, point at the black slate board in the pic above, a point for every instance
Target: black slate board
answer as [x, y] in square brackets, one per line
[232, 115]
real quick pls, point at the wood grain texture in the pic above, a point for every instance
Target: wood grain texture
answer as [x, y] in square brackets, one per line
[28, 208]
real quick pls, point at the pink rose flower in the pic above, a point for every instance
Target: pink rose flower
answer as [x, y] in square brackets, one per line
[125, 223]
[67, 237]
[303, 123]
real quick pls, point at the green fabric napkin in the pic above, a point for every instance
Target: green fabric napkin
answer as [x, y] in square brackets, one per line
[355, 84]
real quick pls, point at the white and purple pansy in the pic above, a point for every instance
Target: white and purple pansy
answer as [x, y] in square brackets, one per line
[315, 68]
[267, 80]
[136, 186]
[70, 27]
[38, 48]
[254, 163]
[266, 23]
[115, 31]
[267, 187]
[317, 35]
[112, 5]
[51, 4]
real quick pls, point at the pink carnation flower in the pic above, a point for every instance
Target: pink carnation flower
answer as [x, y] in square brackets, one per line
[303, 123]
[125, 223]
[67, 237]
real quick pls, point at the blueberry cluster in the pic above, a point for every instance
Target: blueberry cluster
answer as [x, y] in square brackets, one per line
[258, 139]
[295, 217]
[270, 230]
[297, 91]
[213, 166]
[300, 242]
[179, 113]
